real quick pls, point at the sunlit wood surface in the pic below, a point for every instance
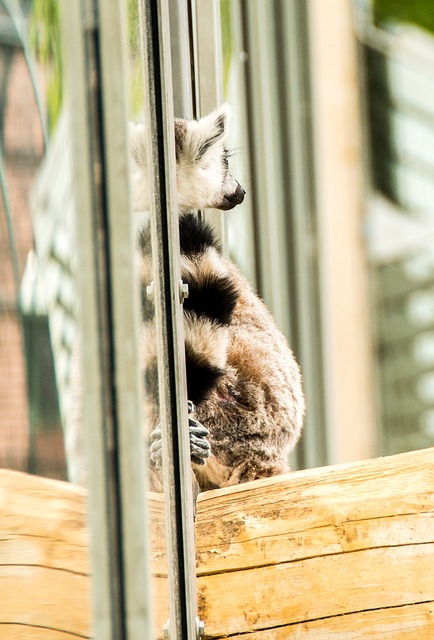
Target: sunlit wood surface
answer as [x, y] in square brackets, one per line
[340, 552]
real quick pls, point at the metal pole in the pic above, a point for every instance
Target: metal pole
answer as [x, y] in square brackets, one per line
[180, 26]
[177, 472]
[281, 166]
[94, 36]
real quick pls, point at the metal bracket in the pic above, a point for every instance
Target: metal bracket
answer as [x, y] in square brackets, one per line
[183, 291]
[200, 629]
[166, 634]
[150, 291]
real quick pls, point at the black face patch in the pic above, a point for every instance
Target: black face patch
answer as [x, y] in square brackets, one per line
[150, 378]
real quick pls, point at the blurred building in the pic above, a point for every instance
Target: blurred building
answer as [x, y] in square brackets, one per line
[400, 229]
[30, 434]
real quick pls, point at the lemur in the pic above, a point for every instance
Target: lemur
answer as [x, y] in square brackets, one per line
[246, 403]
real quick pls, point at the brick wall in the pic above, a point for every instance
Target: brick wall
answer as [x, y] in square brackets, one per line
[23, 149]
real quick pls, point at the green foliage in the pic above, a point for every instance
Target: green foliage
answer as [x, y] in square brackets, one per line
[225, 17]
[420, 12]
[44, 36]
[45, 41]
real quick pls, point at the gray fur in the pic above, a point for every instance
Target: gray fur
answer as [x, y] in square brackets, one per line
[255, 414]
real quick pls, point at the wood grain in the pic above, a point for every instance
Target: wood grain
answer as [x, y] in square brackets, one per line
[342, 552]
[298, 551]
[406, 623]
[23, 631]
[44, 559]
[317, 512]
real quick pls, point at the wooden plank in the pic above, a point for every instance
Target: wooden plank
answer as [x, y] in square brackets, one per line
[57, 600]
[342, 552]
[44, 559]
[12, 631]
[56, 511]
[316, 588]
[317, 512]
[317, 544]
[403, 623]
[44, 597]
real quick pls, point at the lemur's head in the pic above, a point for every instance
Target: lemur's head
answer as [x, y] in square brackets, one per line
[203, 177]
[202, 173]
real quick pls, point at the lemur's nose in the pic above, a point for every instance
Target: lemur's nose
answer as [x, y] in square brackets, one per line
[238, 196]
[230, 200]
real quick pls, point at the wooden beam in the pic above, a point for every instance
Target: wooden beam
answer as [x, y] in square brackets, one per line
[341, 552]
[401, 623]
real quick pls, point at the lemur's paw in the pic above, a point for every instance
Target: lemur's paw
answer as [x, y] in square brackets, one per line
[200, 448]
[155, 448]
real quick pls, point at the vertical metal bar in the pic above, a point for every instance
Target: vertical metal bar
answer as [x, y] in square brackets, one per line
[298, 176]
[93, 32]
[265, 162]
[103, 609]
[208, 72]
[177, 472]
[180, 46]
[241, 229]
[277, 79]
[125, 317]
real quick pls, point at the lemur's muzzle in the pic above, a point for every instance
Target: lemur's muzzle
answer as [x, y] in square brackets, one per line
[230, 201]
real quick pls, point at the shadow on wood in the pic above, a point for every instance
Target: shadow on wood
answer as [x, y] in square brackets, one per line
[342, 552]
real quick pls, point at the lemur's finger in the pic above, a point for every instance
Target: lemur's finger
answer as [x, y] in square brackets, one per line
[155, 447]
[200, 448]
[156, 459]
[200, 445]
[197, 460]
[155, 434]
[198, 429]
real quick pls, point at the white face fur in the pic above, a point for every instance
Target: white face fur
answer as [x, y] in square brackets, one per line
[202, 175]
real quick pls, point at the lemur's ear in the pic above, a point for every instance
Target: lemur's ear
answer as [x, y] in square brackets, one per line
[213, 129]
